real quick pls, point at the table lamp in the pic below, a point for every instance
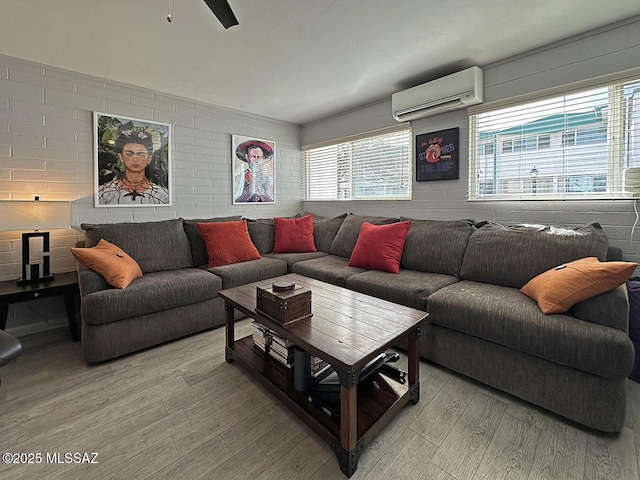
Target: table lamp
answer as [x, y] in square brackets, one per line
[34, 215]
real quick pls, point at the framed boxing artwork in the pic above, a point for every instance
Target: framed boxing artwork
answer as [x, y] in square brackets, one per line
[132, 162]
[254, 170]
[438, 155]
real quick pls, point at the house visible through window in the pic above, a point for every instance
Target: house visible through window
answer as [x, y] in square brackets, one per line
[575, 145]
[371, 167]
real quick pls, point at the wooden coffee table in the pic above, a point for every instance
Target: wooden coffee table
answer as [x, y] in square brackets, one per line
[347, 329]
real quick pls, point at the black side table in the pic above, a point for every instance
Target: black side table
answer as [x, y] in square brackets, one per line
[63, 284]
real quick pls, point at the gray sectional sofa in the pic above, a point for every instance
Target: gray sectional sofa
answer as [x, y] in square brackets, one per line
[466, 275]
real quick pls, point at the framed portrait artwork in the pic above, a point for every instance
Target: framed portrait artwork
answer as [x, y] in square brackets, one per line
[254, 170]
[438, 155]
[132, 162]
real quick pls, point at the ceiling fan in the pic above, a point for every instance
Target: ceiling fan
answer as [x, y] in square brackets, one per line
[222, 10]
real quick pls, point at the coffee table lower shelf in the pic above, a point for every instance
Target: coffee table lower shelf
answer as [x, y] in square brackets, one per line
[378, 400]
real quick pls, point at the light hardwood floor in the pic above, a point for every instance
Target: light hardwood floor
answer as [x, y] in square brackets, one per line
[178, 411]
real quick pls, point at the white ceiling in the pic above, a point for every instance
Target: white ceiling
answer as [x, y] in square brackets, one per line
[293, 60]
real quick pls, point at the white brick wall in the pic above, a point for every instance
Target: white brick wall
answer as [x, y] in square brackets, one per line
[46, 149]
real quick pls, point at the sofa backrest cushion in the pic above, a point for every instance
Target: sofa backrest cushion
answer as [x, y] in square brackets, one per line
[262, 234]
[347, 236]
[436, 246]
[156, 246]
[325, 230]
[512, 255]
[198, 248]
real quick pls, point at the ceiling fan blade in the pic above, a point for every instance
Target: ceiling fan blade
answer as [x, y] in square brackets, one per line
[222, 10]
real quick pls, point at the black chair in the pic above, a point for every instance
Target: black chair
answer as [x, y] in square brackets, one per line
[10, 348]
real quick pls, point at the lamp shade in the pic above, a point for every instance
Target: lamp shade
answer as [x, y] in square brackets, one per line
[34, 215]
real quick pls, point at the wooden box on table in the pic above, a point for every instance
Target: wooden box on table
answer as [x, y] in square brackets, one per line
[283, 307]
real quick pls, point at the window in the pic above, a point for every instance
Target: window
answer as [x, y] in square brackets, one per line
[376, 167]
[569, 138]
[488, 148]
[569, 145]
[591, 135]
[544, 141]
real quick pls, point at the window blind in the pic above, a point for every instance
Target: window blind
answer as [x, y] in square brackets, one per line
[574, 145]
[376, 167]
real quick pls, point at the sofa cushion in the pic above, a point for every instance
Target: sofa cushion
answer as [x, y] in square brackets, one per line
[153, 292]
[156, 246]
[198, 248]
[236, 274]
[227, 243]
[532, 249]
[331, 269]
[379, 247]
[110, 261]
[505, 316]
[325, 230]
[262, 234]
[293, 235]
[559, 289]
[409, 287]
[347, 236]
[436, 246]
[293, 258]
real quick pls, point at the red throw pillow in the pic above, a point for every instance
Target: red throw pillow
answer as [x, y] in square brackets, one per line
[227, 242]
[293, 235]
[379, 247]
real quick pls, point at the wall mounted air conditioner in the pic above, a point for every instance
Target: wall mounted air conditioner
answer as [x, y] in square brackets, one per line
[632, 182]
[458, 90]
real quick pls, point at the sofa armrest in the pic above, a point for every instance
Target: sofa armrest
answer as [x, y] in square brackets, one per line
[90, 281]
[610, 309]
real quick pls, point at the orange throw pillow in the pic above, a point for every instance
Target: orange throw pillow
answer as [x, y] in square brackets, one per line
[227, 242]
[293, 235]
[379, 247]
[110, 261]
[560, 288]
